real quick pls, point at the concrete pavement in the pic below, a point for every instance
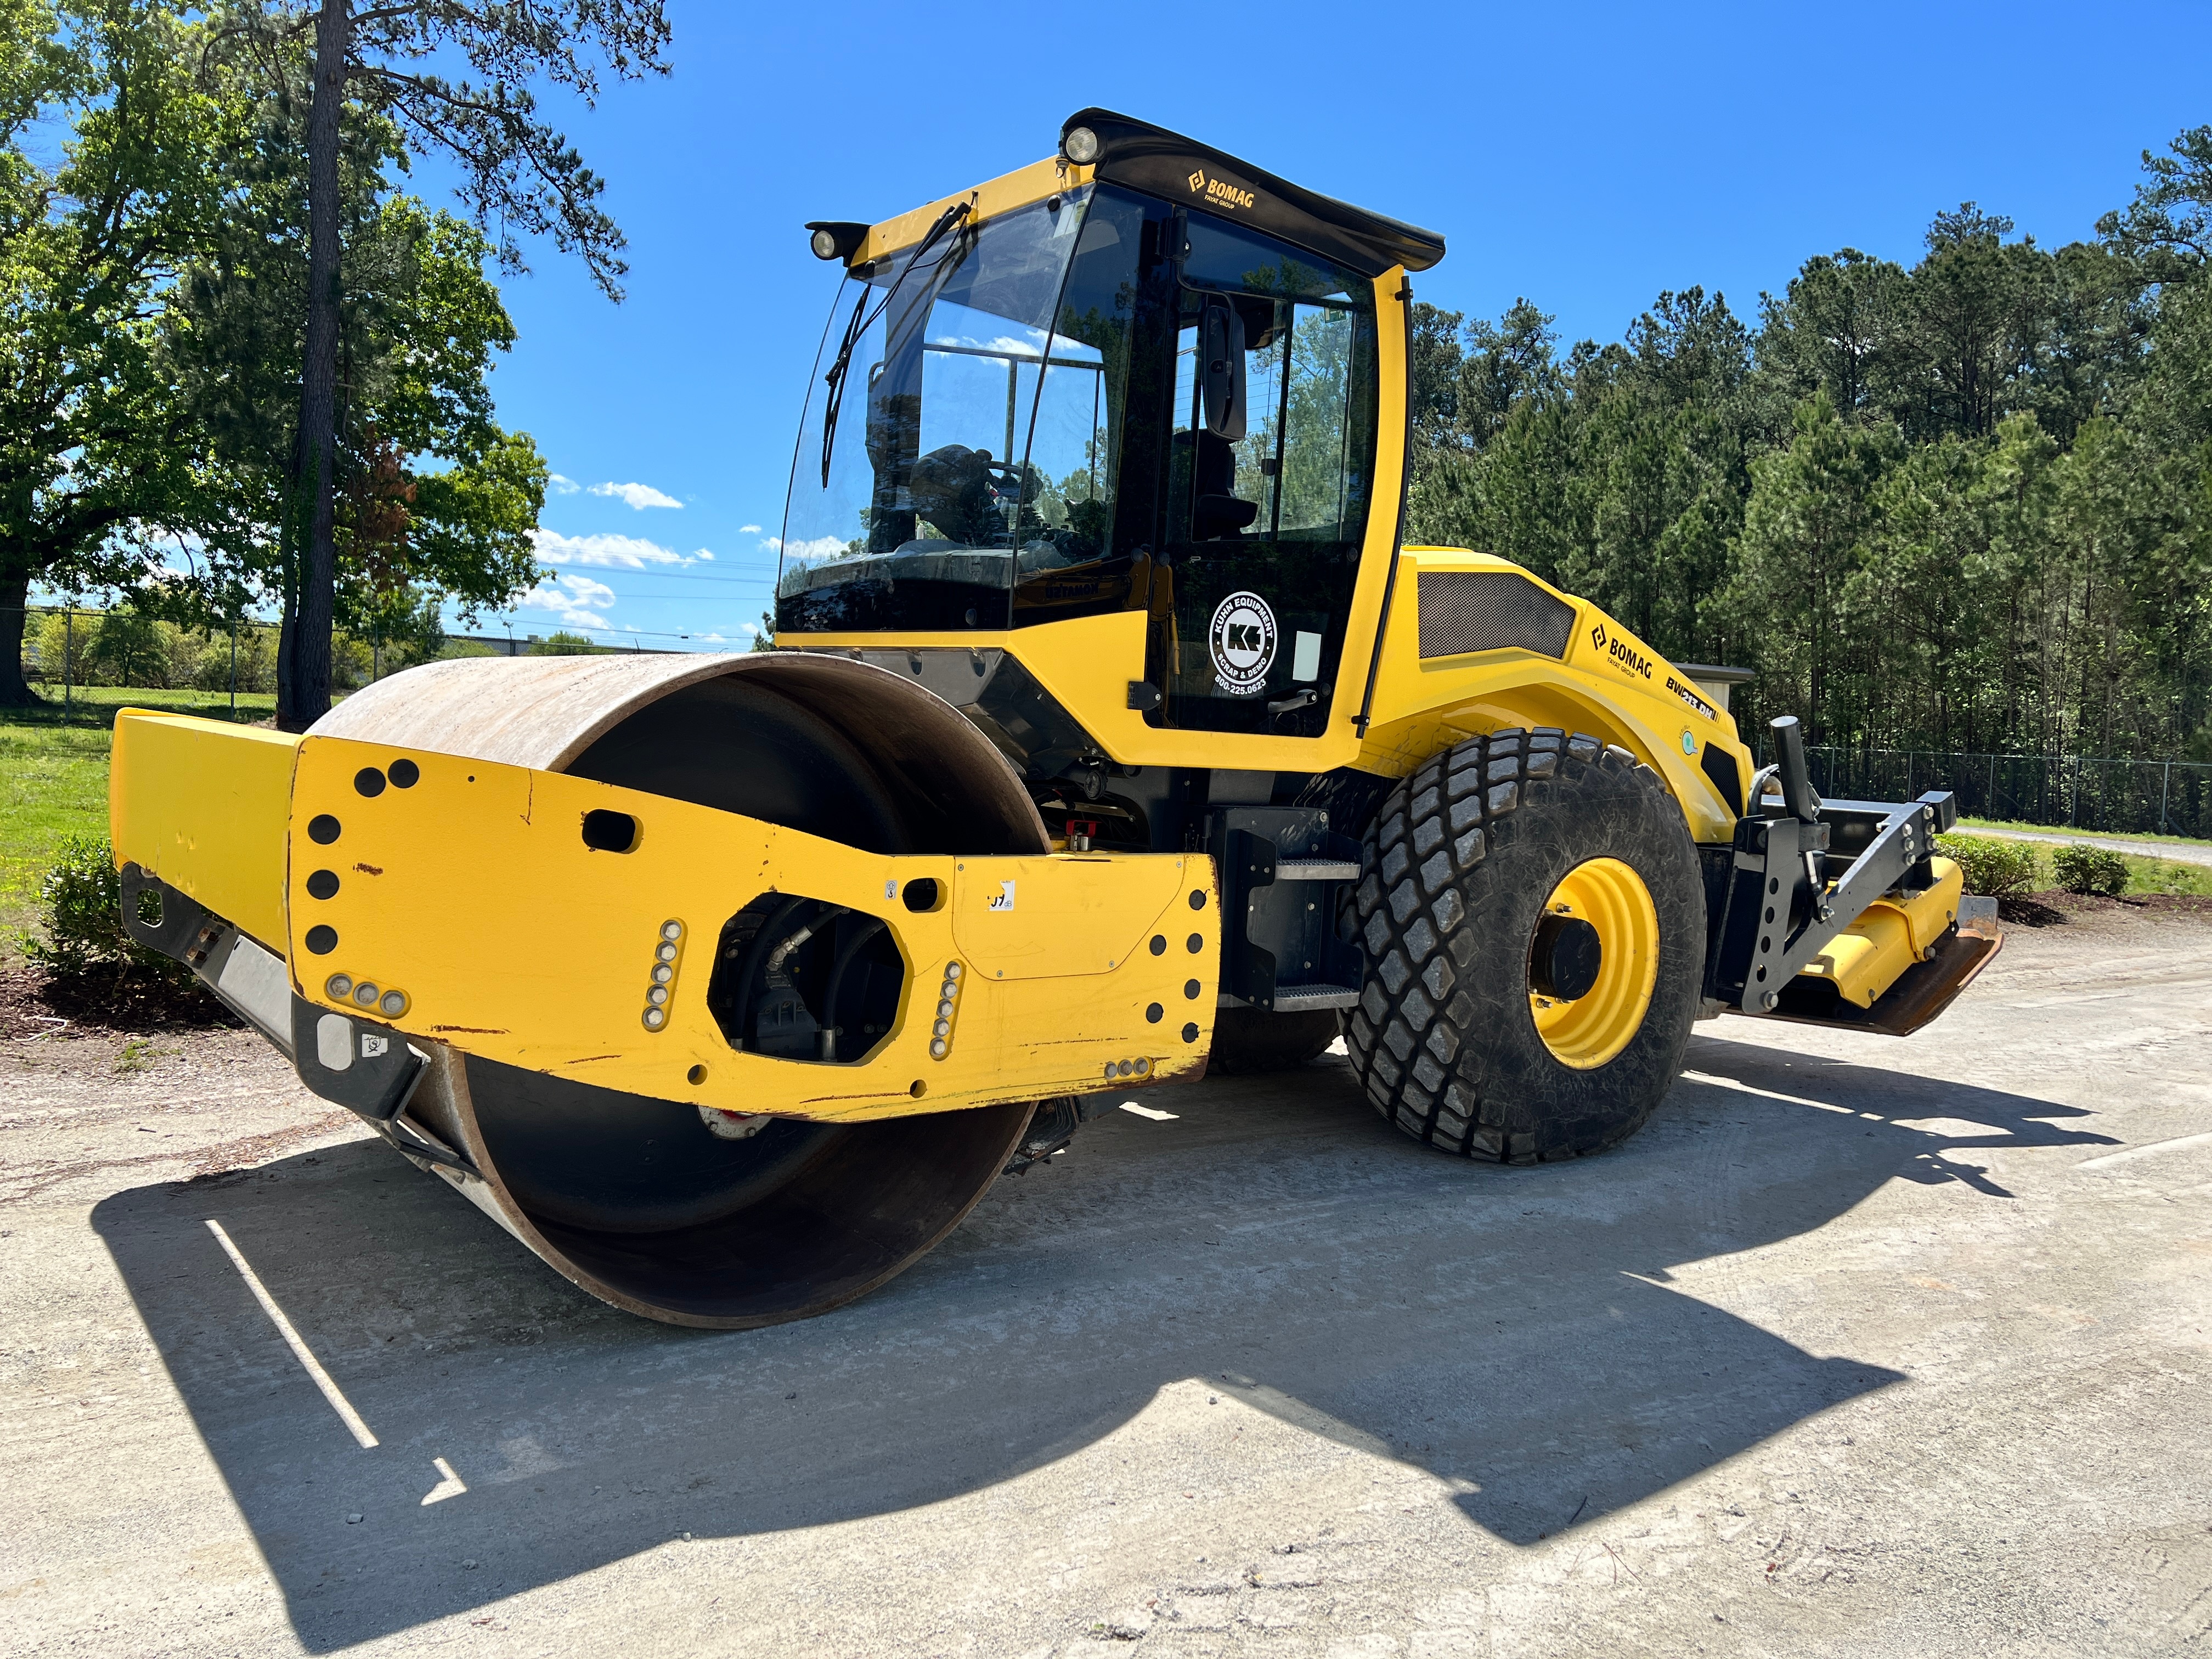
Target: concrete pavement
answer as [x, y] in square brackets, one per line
[1863, 1346]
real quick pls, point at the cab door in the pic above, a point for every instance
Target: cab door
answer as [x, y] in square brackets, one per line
[1268, 472]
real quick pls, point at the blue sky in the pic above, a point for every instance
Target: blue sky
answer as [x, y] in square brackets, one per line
[1585, 156]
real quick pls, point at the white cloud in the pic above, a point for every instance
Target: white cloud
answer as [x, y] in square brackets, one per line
[637, 495]
[822, 547]
[610, 552]
[749, 530]
[579, 600]
[1030, 345]
[563, 486]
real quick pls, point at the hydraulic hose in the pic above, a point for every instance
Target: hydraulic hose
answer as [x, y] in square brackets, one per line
[755, 954]
[851, 948]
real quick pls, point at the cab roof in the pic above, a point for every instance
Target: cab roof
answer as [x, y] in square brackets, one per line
[1184, 171]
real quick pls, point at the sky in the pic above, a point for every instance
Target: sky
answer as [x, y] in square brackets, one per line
[1587, 157]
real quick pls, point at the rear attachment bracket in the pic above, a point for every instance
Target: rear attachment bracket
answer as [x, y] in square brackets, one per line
[1780, 911]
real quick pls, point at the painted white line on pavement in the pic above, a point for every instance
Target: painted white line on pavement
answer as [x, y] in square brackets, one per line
[301, 1352]
[2144, 1151]
[452, 1486]
[1708, 1078]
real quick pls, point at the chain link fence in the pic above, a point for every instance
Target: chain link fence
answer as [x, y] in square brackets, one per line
[2170, 798]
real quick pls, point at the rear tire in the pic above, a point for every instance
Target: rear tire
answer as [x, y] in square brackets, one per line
[1250, 1040]
[1463, 861]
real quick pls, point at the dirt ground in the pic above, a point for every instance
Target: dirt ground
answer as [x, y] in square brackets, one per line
[1864, 1347]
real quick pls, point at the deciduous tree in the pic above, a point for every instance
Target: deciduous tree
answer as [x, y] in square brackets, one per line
[92, 445]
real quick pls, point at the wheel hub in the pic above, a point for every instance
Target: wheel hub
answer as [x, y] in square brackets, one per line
[1593, 963]
[1564, 964]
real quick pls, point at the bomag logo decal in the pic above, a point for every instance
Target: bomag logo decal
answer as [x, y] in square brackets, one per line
[1625, 657]
[1217, 190]
[1691, 698]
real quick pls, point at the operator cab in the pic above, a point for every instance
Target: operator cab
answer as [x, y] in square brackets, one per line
[1155, 386]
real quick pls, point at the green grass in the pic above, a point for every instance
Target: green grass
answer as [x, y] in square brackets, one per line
[55, 768]
[2067, 829]
[2157, 876]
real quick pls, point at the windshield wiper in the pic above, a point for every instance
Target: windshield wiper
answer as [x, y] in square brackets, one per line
[863, 319]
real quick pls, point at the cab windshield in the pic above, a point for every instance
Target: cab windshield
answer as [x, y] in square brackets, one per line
[974, 425]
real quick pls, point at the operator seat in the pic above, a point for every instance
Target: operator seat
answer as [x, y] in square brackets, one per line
[1217, 513]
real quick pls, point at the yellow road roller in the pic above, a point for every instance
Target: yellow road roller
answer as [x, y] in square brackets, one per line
[1113, 731]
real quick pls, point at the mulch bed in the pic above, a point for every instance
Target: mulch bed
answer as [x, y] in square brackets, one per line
[2056, 907]
[33, 1004]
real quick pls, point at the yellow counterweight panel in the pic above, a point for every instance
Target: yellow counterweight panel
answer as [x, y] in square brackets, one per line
[1610, 684]
[1891, 934]
[471, 892]
[202, 804]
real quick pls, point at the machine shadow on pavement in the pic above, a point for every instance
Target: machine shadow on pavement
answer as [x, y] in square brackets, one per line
[1512, 1331]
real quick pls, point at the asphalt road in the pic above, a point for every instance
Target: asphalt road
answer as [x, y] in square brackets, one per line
[1864, 1348]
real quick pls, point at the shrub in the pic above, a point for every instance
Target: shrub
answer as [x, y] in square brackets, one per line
[80, 917]
[59, 644]
[2090, 870]
[129, 649]
[257, 661]
[351, 663]
[1995, 869]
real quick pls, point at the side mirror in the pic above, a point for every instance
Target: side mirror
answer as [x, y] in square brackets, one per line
[1221, 367]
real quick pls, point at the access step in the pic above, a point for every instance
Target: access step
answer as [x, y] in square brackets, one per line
[1316, 869]
[1303, 998]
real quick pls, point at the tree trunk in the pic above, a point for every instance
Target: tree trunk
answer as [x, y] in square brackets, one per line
[288, 618]
[309, 628]
[14, 596]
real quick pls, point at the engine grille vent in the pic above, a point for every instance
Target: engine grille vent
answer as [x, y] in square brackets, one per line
[1466, 610]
